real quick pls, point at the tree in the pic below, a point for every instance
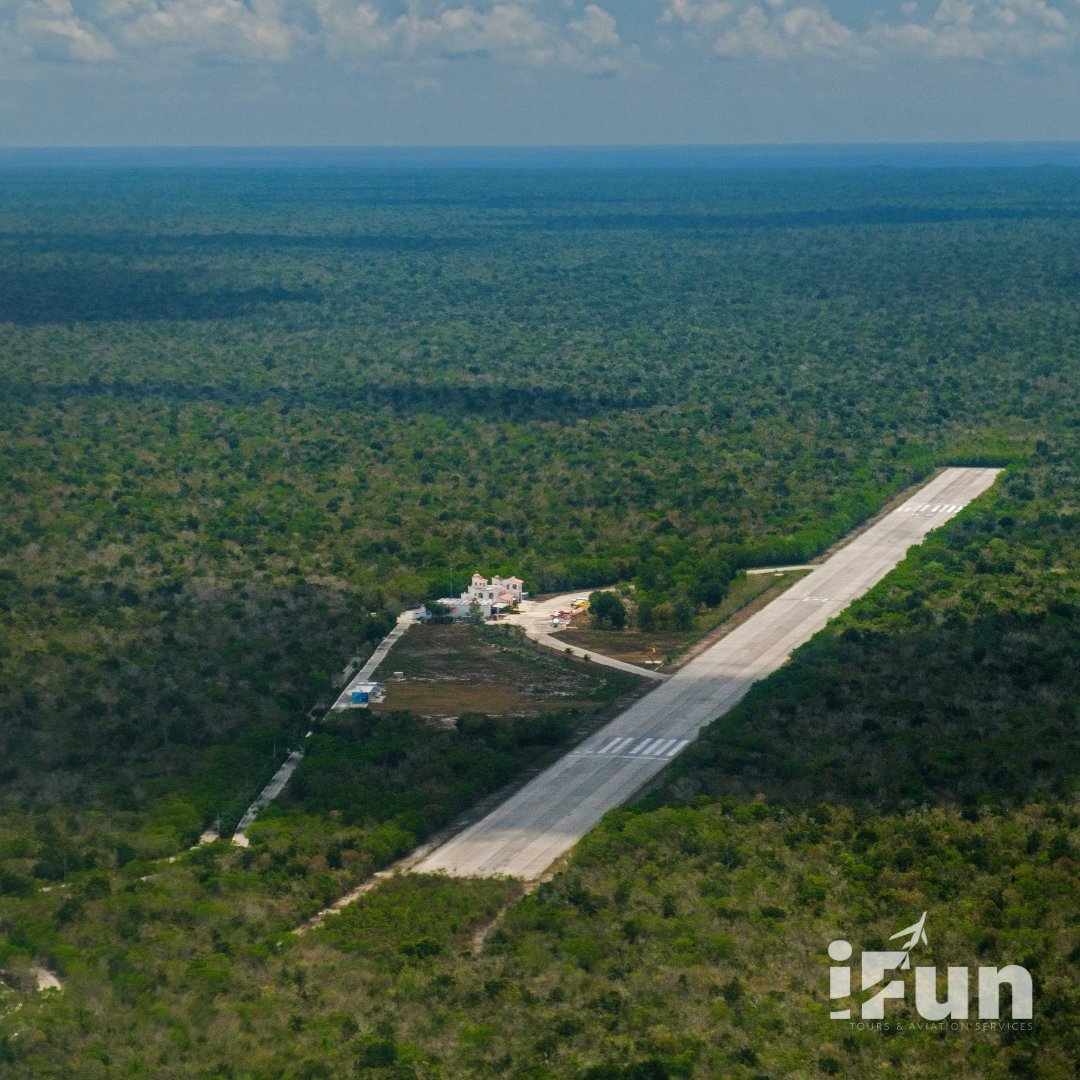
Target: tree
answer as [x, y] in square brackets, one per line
[607, 610]
[439, 612]
[683, 614]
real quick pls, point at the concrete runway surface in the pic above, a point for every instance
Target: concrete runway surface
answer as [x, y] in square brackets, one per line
[544, 819]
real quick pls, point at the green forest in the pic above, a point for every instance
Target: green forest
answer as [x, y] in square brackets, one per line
[247, 416]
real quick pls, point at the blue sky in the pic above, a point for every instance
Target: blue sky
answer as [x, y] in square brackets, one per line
[434, 72]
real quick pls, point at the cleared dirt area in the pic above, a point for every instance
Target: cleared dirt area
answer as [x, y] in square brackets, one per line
[455, 669]
[666, 650]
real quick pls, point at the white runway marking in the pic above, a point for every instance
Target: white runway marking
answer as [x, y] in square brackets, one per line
[615, 746]
[635, 748]
[927, 508]
[608, 746]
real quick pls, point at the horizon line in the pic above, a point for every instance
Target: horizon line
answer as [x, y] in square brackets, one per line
[554, 157]
[766, 144]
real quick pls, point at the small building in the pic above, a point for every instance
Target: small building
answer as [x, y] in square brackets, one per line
[485, 597]
[363, 694]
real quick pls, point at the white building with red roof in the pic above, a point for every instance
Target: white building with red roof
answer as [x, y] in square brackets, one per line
[487, 597]
[498, 592]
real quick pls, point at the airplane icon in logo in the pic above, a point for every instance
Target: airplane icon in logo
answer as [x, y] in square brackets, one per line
[917, 934]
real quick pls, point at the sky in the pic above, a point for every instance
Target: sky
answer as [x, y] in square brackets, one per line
[535, 72]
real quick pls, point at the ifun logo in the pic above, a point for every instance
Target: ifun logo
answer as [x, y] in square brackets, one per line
[875, 966]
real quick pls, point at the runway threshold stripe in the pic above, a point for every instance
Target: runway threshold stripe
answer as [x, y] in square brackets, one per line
[614, 746]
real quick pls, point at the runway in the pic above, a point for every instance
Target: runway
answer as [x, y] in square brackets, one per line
[543, 820]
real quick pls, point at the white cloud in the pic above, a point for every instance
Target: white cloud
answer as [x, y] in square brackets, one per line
[686, 11]
[593, 46]
[768, 32]
[234, 29]
[753, 35]
[159, 33]
[953, 29]
[987, 29]
[597, 26]
[462, 30]
[52, 29]
[349, 27]
[513, 34]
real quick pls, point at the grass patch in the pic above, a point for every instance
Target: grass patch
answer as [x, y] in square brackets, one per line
[451, 670]
[436, 699]
[646, 647]
[451, 699]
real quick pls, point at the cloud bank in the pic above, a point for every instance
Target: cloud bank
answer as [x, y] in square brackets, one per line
[946, 29]
[570, 35]
[585, 39]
